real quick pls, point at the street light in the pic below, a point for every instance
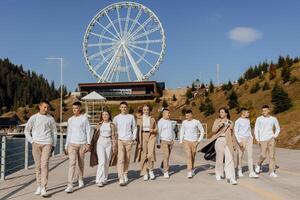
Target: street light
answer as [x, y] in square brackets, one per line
[61, 101]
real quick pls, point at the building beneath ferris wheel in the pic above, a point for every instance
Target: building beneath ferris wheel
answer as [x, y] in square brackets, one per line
[141, 90]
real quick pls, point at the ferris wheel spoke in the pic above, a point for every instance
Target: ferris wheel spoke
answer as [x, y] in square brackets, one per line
[143, 49]
[135, 67]
[146, 33]
[127, 19]
[101, 44]
[119, 20]
[110, 65]
[114, 27]
[134, 22]
[105, 59]
[102, 36]
[105, 28]
[101, 53]
[146, 41]
[141, 57]
[140, 27]
[127, 68]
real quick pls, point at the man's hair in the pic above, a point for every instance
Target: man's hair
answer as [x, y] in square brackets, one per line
[165, 109]
[77, 103]
[265, 106]
[124, 103]
[44, 101]
[243, 109]
[189, 111]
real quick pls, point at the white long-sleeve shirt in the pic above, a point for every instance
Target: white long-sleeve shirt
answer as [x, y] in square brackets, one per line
[125, 126]
[242, 128]
[41, 129]
[165, 130]
[190, 130]
[264, 128]
[79, 130]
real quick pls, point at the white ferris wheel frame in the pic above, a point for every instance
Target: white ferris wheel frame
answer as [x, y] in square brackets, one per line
[123, 41]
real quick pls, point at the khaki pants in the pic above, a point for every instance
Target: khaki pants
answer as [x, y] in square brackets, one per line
[190, 151]
[41, 155]
[166, 148]
[223, 150]
[267, 147]
[246, 144]
[148, 153]
[124, 152]
[76, 158]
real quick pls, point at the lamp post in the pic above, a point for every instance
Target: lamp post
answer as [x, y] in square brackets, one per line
[61, 102]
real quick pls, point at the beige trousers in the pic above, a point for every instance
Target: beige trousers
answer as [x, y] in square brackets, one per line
[41, 154]
[190, 151]
[246, 144]
[221, 151]
[267, 147]
[124, 153]
[148, 153]
[76, 159]
[166, 148]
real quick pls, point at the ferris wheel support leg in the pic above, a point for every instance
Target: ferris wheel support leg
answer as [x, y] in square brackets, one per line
[136, 69]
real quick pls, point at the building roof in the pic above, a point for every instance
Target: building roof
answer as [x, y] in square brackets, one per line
[93, 96]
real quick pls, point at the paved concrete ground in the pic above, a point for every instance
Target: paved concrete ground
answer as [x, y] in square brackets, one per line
[21, 185]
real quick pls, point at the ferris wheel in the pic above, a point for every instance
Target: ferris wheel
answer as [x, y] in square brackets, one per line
[125, 41]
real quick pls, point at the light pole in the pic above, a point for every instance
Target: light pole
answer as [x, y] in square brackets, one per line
[61, 102]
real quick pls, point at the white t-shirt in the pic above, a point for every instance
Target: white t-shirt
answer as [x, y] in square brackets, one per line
[264, 128]
[105, 129]
[79, 130]
[165, 130]
[125, 126]
[242, 128]
[190, 130]
[41, 129]
[146, 123]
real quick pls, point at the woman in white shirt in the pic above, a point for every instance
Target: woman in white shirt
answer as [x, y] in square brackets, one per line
[103, 145]
[146, 143]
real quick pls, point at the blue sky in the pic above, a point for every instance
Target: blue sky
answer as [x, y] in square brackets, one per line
[200, 34]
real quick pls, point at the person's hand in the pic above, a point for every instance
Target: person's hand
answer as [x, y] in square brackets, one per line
[158, 146]
[140, 146]
[88, 148]
[66, 151]
[52, 149]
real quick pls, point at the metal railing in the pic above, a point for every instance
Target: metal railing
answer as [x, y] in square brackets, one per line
[16, 154]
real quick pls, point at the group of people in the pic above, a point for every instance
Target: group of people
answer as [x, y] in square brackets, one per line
[110, 143]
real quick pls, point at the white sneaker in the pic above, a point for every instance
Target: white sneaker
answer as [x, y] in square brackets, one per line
[126, 178]
[240, 173]
[69, 189]
[151, 174]
[121, 182]
[189, 175]
[104, 182]
[218, 178]
[233, 182]
[257, 169]
[146, 177]
[100, 184]
[38, 190]
[43, 192]
[80, 183]
[253, 175]
[273, 175]
[166, 175]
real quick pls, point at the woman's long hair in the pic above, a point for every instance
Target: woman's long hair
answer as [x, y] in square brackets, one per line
[226, 111]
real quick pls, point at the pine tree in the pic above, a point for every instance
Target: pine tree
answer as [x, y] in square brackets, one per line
[272, 70]
[189, 93]
[174, 97]
[285, 73]
[233, 100]
[241, 81]
[280, 99]
[255, 88]
[266, 86]
[211, 87]
[165, 104]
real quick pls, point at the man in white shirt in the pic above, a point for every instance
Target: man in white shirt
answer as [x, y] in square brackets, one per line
[165, 140]
[265, 135]
[77, 144]
[191, 133]
[242, 131]
[41, 132]
[127, 131]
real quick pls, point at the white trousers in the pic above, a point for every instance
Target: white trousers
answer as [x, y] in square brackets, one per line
[104, 150]
[221, 151]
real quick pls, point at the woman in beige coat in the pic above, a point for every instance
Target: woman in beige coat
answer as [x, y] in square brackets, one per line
[225, 145]
[147, 131]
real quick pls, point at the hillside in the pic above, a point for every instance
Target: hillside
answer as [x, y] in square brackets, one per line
[289, 120]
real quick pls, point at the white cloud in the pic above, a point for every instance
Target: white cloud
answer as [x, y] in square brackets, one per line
[244, 35]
